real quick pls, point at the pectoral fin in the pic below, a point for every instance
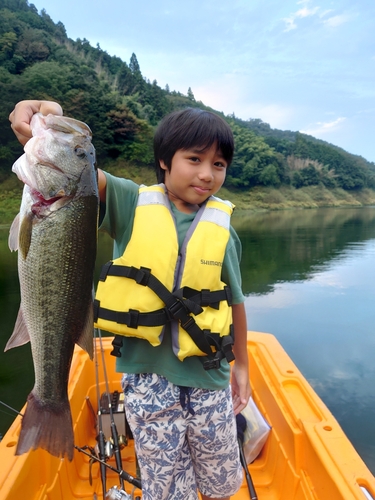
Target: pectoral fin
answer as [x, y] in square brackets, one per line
[13, 234]
[26, 229]
[20, 335]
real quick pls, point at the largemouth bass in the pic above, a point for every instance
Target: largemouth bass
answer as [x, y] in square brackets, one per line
[55, 234]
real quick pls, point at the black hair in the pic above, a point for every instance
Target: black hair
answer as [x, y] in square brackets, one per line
[190, 128]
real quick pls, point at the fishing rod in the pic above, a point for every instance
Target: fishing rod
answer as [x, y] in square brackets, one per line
[241, 427]
[123, 474]
[116, 446]
[101, 437]
[11, 408]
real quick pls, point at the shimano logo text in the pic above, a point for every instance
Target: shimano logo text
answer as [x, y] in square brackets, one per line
[211, 263]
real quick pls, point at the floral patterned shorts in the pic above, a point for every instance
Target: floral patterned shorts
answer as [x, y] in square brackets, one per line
[185, 438]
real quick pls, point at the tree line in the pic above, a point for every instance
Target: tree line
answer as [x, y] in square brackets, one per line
[122, 107]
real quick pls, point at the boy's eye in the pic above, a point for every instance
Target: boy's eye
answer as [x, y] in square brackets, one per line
[194, 158]
[220, 164]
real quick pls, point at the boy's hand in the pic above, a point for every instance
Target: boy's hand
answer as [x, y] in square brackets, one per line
[241, 389]
[21, 116]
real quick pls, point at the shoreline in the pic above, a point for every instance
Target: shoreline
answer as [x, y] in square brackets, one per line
[256, 199]
[260, 199]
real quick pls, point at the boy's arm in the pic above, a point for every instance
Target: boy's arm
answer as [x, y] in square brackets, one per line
[20, 119]
[102, 185]
[240, 382]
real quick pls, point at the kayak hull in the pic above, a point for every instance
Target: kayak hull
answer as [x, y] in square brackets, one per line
[307, 456]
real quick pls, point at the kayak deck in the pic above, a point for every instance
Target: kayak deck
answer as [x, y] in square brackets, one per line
[307, 455]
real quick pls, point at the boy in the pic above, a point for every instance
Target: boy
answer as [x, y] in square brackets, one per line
[178, 400]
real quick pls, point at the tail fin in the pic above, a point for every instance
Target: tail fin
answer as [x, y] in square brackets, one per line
[47, 428]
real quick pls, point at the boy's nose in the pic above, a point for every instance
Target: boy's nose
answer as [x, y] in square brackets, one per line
[205, 172]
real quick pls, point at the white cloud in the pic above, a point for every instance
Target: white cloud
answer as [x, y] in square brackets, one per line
[276, 115]
[299, 14]
[321, 128]
[234, 94]
[226, 94]
[334, 21]
[325, 12]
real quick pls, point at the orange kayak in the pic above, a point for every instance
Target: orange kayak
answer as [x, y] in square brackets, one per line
[307, 456]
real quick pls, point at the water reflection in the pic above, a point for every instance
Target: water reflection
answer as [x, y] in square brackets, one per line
[288, 246]
[319, 304]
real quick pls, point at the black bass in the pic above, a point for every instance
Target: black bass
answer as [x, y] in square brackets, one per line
[55, 234]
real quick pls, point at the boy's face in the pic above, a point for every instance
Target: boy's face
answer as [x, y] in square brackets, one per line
[194, 176]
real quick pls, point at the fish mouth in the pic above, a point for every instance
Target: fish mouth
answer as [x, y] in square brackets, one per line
[42, 203]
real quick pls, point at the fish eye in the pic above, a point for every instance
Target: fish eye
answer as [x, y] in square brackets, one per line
[80, 152]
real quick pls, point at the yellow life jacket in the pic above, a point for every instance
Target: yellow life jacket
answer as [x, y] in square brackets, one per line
[153, 283]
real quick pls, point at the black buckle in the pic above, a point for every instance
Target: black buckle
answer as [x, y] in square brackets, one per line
[117, 344]
[211, 364]
[177, 310]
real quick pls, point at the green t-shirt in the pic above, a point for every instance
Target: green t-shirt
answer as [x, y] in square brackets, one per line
[138, 355]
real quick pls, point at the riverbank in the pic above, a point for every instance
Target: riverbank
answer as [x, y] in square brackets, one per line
[287, 197]
[256, 199]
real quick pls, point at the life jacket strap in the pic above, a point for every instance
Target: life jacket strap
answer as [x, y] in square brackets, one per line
[223, 346]
[143, 276]
[179, 306]
[205, 297]
[132, 318]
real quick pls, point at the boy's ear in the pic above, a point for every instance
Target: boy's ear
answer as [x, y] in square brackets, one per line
[163, 165]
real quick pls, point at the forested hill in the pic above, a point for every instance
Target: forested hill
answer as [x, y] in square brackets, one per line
[122, 107]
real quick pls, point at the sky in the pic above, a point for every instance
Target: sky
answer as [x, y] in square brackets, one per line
[300, 65]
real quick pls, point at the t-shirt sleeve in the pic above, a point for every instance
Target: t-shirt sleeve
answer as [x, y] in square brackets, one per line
[117, 214]
[231, 273]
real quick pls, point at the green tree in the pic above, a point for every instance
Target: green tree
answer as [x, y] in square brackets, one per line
[33, 46]
[310, 176]
[134, 65]
[7, 44]
[48, 80]
[269, 176]
[190, 94]
[255, 162]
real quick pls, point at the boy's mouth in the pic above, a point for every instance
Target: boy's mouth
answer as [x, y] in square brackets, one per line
[201, 190]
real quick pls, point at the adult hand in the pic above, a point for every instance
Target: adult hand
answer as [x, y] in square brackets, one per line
[21, 116]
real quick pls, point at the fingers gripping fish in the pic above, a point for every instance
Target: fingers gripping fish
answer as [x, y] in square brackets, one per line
[55, 234]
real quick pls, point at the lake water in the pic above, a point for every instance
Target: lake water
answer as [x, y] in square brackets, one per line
[308, 276]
